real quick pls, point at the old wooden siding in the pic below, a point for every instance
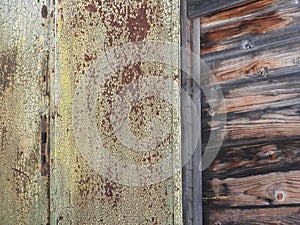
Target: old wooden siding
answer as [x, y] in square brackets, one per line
[23, 107]
[84, 31]
[198, 8]
[253, 50]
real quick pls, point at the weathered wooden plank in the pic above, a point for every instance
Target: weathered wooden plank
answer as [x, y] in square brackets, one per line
[268, 190]
[252, 26]
[204, 7]
[253, 50]
[258, 93]
[251, 43]
[81, 194]
[191, 176]
[23, 66]
[249, 9]
[261, 63]
[270, 216]
[255, 159]
[262, 125]
[259, 108]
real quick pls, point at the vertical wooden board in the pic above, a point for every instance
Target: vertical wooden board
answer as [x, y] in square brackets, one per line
[23, 60]
[80, 194]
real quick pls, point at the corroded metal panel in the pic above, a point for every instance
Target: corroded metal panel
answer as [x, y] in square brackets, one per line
[81, 194]
[23, 104]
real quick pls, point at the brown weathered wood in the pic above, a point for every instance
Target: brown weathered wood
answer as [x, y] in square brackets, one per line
[278, 90]
[261, 22]
[234, 41]
[23, 66]
[269, 189]
[263, 62]
[260, 108]
[247, 160]
[271, 216]
[204, 7]
[249, 9]
[267, 125]
[253, 50]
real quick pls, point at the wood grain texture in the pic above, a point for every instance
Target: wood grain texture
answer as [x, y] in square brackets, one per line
[257, 21]
[271, 216]
[233, 42]
[259, 108]
[253, 51]
[191, 187]
[23, 64]
[205, 7]
[80, 193]
[260, 190]
[255, 159]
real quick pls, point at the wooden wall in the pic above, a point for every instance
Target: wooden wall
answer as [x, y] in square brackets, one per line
[23, 107]
[46, 50]
[253, 49]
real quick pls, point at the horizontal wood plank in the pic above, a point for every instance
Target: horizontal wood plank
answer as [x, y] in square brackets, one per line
[255, 159]
[279, 90]
[242, 42]
[263, 108]
[259, 63]
[262, 125]
[264, 190]
[261, 23]
[204, 7]
[270, 216]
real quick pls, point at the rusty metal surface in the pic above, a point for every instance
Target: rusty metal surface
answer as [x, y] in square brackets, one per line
[84, 31]
[23, 53]
[46, 49]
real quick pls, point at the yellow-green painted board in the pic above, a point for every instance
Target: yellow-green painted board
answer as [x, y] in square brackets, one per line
[94, 183]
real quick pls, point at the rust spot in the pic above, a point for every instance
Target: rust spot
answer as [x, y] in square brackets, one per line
[88, 58]
[8, 61]
[44, 11]
[279, 195]
[135, 27]
[138, 26]
[91, 8]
